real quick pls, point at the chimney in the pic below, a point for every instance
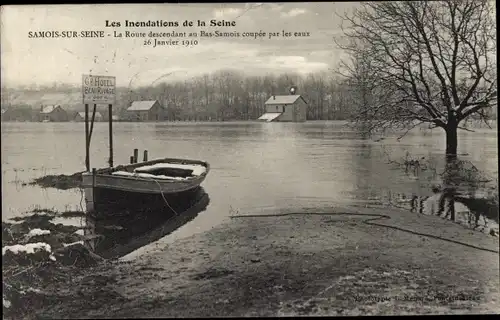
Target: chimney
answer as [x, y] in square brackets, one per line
[274, 97]
[41, 108]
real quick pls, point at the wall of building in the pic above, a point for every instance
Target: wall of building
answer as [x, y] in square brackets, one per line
[156, 113]
[296, 112]
[273, 108]
[137, 115]
[288, 114]
[58, 115]
[300, 111]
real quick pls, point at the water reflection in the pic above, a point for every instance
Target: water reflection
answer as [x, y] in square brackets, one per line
[464, 195]
[114, 232]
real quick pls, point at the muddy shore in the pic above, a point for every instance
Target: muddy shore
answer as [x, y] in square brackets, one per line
[325, 262]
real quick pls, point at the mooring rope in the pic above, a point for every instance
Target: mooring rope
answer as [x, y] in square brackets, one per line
[163, 196]
[81, 200]
[369, 222]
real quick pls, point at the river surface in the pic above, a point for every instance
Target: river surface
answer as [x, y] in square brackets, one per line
[255, 167]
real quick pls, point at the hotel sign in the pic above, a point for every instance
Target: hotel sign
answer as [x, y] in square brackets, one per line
[98, 89]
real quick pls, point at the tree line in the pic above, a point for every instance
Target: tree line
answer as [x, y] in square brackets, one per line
[225, 95]
[231, 95]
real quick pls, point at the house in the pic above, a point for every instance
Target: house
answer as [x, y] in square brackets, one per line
[146, 111]
[285, 108]
[53, 113]
[80, 116]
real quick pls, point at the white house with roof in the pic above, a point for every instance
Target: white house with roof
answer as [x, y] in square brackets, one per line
[52, 113]
[285, 108]
[150, 110]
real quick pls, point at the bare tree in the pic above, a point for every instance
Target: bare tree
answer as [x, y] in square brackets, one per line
[430, 62]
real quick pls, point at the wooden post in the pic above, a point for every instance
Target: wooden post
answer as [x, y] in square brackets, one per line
[87, 157]
[131, 159]
[110, 115]
[92, 124]
[94, 173]
[136, 155]
[145, 158]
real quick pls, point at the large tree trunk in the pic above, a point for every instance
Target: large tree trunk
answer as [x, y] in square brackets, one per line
[451, 141]
[449, 190]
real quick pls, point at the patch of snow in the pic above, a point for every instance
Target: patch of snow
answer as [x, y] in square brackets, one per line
[72, 243]
[80, 232]
[346, 278]
[431, 205]
[30, 290]
[28, 248]
[197, 169]
[6, 303]
[38, 232]
[52, 257]
[44, 213]
[146, 175]
[14, 221]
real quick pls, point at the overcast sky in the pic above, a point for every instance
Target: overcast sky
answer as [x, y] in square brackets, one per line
[43, 61]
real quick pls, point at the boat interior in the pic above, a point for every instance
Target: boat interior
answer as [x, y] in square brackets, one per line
[173, 168]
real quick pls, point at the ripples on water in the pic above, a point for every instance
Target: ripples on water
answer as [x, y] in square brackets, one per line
[255, 166]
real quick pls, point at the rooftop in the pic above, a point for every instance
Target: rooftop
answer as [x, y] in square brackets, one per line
[49, 109]
[142, 105]
[285, 99]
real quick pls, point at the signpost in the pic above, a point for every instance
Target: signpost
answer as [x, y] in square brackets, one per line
[98, 90]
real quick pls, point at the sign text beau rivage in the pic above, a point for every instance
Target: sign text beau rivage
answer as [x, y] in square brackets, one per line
[98, 89]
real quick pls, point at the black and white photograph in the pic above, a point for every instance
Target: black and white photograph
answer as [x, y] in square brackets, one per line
[188, 160]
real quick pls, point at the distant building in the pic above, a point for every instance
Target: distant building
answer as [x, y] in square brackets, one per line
[146, 111]
[52, 113]
[17, 113]
[285, 108]
[80, 116]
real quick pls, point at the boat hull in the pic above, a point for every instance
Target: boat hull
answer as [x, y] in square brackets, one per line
[104, 179]
[144, 224]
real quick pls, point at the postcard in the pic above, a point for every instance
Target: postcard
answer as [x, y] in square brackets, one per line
[249, 159]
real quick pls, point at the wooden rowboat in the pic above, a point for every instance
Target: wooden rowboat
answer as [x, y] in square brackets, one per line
[161, 176]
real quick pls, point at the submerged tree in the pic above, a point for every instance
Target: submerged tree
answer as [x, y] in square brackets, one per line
[430, 62]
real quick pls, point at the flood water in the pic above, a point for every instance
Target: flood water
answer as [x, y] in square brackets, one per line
[255, 167]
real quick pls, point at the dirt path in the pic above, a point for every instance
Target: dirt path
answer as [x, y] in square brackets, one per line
[302, 264]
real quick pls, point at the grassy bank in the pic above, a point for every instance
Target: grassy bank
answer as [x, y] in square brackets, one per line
[35, 253]
[59, 181]
[299, 264]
